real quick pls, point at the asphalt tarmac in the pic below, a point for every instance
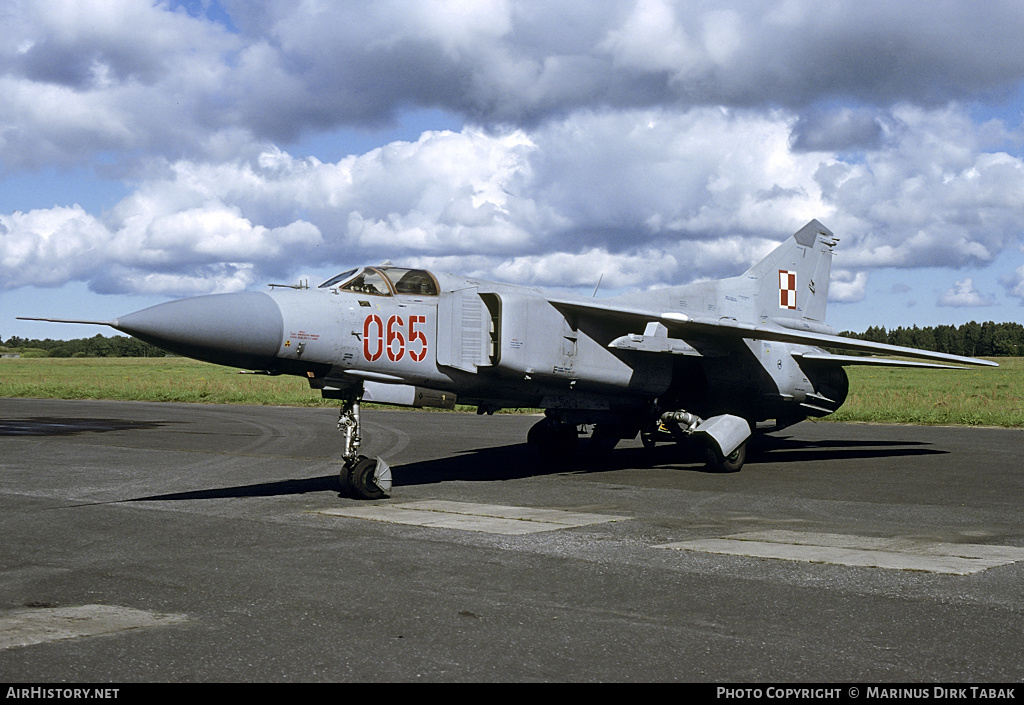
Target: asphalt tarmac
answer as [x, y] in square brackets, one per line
[166, 542]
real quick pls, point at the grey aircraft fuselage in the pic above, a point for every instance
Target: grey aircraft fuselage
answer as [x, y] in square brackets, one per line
[710, 361]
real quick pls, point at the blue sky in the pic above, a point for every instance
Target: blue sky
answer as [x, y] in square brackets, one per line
[154, 150]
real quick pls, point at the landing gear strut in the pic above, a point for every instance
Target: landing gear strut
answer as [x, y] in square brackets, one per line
[725, 437]
[361, 477]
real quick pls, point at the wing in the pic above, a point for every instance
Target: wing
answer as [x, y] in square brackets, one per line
[682, 326]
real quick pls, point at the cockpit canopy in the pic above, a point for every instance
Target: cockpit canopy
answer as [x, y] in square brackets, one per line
[385, 281]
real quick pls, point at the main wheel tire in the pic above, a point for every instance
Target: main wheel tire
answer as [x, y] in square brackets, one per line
[554, 442]
[603, 439]
[727, 463]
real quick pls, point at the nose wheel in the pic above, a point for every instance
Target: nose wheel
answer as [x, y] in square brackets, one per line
[366, 478]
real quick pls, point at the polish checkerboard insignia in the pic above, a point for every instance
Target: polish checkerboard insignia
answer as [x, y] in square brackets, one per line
[787, 289]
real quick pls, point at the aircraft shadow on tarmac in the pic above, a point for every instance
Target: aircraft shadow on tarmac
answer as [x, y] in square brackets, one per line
[65, 426]
[327, 483]
[518, 461]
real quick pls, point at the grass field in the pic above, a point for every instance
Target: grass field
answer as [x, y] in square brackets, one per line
[149, 379]
[981, 397]
[970, 397]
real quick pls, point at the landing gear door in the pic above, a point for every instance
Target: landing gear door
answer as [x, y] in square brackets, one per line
[464, 331]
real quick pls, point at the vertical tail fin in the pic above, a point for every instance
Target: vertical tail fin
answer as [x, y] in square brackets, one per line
[792, 281]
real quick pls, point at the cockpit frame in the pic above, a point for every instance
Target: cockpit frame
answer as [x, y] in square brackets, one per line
[385, 280]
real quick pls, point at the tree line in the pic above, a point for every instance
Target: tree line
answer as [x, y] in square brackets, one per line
[972, 339]
[96, 346]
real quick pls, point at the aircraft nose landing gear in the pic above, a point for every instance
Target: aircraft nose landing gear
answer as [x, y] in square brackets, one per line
[366, 478]
[361, 477]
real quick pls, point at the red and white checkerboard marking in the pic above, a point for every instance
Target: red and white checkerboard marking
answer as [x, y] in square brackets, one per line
[787, 289]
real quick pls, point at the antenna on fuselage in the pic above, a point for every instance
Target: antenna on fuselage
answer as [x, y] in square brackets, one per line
[594, 296]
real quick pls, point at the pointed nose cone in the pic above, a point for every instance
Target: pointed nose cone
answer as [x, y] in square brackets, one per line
[239, 330]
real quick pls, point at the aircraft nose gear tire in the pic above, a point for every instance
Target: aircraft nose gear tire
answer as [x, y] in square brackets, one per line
[366, 478]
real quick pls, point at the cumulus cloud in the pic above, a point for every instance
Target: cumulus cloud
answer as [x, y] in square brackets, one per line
[524, 61]
[81, 79]
[201, 250]
[587, 268]
[838, 130]
[699, 194]
[1014, 284]
[136, 75]
[963, 293]
[848, 287]
[49, 247]
[656, 142]
[932, 196]
[575, 191]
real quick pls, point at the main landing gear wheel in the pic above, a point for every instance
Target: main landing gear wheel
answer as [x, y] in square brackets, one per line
[726, 463]
[553, 441]
[366, 478]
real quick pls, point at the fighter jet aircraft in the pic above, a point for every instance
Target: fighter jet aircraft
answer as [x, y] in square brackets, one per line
[709, 362]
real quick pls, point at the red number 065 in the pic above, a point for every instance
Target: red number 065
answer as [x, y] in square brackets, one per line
[379, 338]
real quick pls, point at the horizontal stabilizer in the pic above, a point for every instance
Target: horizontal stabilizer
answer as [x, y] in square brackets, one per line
[872, 361]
